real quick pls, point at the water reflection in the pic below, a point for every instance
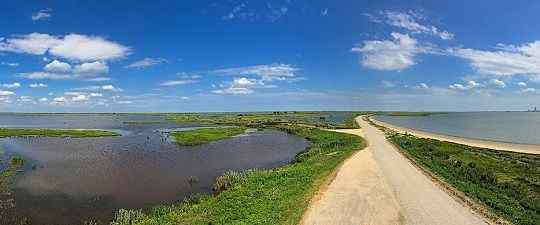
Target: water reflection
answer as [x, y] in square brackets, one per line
[76, 179]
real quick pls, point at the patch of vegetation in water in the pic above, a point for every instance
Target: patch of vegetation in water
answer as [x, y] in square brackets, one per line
[316, 119]
[6, 177]
[273, 196]
[205, 135]
[19, 132]
[507, 182]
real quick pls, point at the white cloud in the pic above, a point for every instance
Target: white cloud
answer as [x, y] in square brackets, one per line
[98, 79]
[177, 82]
[387, 84]
[6, 93]
[529, 90]
[268, 72]
[422, 86]
[110, 88]
[59, 100]
[25, 98]
[80, 98]
[239, 86]
[44, 75]
[42, 14]
[522, 84]
[462, 87]
[124, 102]
[146, 62]
[10, 64]
[72, 93]
[497, 83]
[96, 95]
[43, 99]
[38, 85]
[72, 46]
[409, 21]
[91, 69]
[58, 67]
[12, 85]
[396, 54]
[508, 60]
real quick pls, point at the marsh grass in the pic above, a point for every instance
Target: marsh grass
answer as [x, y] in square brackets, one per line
[507, 183]
[16, 132]
[274, 196]
[205, 135]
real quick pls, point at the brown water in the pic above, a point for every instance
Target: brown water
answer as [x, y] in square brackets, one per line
[76, 180]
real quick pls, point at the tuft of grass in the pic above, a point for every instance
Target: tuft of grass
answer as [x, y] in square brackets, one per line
[507, 183]
[205, 135]
[17, 132]
[274, 196]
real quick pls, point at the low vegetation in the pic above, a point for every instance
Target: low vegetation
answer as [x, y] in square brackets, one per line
[16, 132]
[275, 196]
[507, 183]
[205, 135]
[317, 119]
[6, 200]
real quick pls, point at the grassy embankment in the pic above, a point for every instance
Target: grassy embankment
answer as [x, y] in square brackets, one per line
[16, 132]
[507, 183]
[205, 135]
[274, 196]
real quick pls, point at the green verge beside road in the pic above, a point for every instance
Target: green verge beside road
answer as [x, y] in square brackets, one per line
[16, 132]
[507, 183]
[205, 135]
[273, 196]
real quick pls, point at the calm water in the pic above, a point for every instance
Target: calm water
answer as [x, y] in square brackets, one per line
[70, 180]
[515, 127]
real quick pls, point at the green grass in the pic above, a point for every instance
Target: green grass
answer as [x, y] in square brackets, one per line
[275, 196]
[508, 183]
[16, 132]
[205, 135]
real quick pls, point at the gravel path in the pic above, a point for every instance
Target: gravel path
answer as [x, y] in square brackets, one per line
[380, 186]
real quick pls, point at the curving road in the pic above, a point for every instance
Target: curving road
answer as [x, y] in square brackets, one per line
[380, 186]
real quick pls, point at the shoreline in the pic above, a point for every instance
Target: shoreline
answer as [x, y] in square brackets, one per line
[495, 145]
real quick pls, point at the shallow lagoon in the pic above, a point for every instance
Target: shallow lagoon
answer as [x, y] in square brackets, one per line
[79, 179]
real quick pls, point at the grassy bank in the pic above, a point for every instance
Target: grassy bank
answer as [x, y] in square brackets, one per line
[507, 183]
[276, 196]
[16, 132]
[205, 135]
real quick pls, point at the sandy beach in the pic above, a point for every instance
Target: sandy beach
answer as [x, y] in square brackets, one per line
[502, 146]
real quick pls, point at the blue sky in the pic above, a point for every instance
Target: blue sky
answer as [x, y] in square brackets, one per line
[175, 56]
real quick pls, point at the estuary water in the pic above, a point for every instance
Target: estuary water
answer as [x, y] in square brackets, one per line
[74, 180]
[513, 127]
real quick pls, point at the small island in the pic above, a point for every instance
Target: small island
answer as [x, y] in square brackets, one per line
[23, 132]
[205, 135]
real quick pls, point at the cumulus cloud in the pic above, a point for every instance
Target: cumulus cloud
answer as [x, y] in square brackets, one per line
[497, 83]
[12, 85]
[146, 62]
[111, 88]
[462, 87]
[396, 54]
[9, 64]
[421, 86]
[44, 75]
[91, 69]
[387, 84]
[59, 100]
[42, 14]
[37, 85]
[107, 87]
[239, 86]
[74, 47]
[80, 98]
[57, 67]
[6, 93]
[522, 84]
[409, 21]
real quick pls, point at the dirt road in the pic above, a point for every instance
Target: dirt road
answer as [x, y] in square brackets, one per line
[380, 186]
